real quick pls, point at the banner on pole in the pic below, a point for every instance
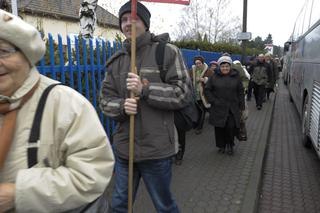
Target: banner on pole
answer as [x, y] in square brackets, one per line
[269, 48]
[185, 2]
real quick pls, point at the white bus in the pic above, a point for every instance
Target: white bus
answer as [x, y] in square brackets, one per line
[304, 71]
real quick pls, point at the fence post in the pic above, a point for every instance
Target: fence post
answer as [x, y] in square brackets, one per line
[70, 62]
[62, 70]
[93, 74]
[79, 79]
[52, 64]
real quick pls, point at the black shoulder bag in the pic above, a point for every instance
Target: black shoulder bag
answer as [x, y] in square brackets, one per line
[189, 116]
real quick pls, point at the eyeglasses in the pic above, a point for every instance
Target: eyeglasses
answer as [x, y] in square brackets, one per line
[7, 52]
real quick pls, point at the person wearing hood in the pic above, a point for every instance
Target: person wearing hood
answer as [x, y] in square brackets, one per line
[200, 74]
[225, 93]
[155, 135]
[60, 163]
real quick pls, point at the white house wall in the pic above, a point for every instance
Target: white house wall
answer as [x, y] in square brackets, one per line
[64, 28]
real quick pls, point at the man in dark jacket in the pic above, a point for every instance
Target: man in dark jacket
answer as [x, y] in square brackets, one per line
[155, 133]
[273, 76]
[260, 78]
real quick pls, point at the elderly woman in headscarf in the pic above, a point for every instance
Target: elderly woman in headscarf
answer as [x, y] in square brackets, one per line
[71, 162]
[225, 93]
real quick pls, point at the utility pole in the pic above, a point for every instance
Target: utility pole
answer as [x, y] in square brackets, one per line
[244, 30]
[14, 6]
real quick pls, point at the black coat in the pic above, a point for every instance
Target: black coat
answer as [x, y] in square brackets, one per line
[225, 93]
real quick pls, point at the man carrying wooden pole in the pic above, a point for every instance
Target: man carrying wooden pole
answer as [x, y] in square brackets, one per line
[145, 116]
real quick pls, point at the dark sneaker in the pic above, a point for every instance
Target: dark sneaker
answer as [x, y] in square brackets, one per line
[242, 138]
[178, 162]
[198, 131]
[221, 150]
[230, 150]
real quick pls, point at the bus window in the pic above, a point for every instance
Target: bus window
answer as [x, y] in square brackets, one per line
[298, 26]
[307, 16]
[315, 14]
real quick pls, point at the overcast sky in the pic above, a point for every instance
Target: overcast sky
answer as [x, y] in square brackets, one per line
[276, 17]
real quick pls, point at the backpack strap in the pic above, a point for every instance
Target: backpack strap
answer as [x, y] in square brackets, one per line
[35, 129]
[160, 50]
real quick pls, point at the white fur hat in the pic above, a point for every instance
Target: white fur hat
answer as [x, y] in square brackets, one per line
[225, 59]
[22, 35]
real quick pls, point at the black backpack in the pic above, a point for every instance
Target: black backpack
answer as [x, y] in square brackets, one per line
[189, 116]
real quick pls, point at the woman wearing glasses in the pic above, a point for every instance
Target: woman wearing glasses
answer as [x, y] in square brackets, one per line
[69, 165]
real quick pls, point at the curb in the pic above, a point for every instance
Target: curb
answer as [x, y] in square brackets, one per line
[251, 197]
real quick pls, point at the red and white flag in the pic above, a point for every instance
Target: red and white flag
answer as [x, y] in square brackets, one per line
[185, 2]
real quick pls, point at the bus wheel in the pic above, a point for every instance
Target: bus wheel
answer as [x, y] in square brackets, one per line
[305, 138]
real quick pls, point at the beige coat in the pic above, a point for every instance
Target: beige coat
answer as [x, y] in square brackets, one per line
[72, 141]
[201, 85]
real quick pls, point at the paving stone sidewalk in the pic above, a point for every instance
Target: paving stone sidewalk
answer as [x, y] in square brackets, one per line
[291, 180]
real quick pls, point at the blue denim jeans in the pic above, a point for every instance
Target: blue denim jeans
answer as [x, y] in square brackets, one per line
[156, 175]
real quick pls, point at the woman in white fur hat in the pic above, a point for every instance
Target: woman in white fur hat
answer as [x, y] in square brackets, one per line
[71, 162]
[225, 93]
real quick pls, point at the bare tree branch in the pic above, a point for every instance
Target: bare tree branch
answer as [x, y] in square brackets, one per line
[208, 19]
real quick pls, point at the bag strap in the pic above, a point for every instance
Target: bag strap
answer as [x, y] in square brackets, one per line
[35, 129]
[160, 50]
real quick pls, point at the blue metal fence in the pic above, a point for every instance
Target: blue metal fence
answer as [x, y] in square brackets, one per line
[82, 66]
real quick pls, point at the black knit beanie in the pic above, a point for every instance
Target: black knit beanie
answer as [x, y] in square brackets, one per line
[142, 12]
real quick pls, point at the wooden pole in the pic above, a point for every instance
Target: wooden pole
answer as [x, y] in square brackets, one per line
[132, 95]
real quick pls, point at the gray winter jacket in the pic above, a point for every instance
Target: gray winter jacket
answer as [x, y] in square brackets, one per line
[154, 124]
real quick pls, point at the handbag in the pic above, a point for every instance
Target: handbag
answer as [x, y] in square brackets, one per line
[242, 132]
[98, 205]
